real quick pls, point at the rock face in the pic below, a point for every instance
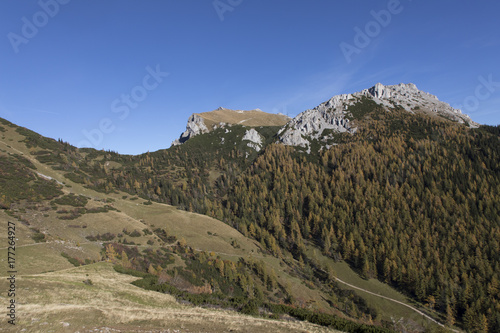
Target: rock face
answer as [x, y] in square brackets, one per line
[310, 124]
[411, 99]
[334, 114]
[195, 126]
[255, 139]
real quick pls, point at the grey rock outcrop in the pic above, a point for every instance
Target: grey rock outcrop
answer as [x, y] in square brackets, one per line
[195, 126]
[334, 114]
[255, 139]
[310, 124]
[411, 99]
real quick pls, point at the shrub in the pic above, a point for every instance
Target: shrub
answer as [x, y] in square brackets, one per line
[74, 177]
[38, 237]
[251, 308]
[104, 237]
[71, 200]
[73, 261]
[135, 233]
[163, 235]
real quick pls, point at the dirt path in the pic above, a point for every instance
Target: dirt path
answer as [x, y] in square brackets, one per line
[337, 279]
[25, 245]
[395, 301]
[42, 243]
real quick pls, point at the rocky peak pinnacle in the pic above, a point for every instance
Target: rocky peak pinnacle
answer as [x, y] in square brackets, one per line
[335, 115]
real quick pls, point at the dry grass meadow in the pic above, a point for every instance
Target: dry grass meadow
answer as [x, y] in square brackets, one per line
[61, 302]
[252, 118]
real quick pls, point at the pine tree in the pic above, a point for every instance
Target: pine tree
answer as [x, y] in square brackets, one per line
[111, 253]
[450, 315]
[469, 319]
[365, 270]
[431, 301]
[483, 324]
[152, 270]
[125, 261]
[219, 264]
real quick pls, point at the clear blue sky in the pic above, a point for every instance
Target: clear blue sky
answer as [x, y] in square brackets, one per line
[67, 69]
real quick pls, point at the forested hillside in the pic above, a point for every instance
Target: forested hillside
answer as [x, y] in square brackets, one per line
[409, 199]
[47, 190]
[418, 210]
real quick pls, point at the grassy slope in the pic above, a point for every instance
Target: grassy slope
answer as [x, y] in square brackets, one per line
[247, 118]
[45, 257]
[61, 302]
[389, 310]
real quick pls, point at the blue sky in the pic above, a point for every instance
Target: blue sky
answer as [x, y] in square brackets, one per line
[67, 66]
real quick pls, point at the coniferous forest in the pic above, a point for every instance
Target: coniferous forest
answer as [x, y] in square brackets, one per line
[410, 200]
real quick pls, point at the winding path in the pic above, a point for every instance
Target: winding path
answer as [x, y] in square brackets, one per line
[395, 301]
[337, 279]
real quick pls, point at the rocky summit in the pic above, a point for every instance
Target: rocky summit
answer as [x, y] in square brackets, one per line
[336, 114]
[200, 123]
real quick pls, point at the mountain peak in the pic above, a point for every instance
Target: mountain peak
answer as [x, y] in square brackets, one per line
[336, 115]
[402, 89]
[205, 122]
[381, 91]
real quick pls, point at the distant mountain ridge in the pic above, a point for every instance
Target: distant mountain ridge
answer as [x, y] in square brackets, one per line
[205, 122]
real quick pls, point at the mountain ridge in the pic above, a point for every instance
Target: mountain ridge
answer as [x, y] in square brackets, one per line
[336, 114]
[205, 122]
